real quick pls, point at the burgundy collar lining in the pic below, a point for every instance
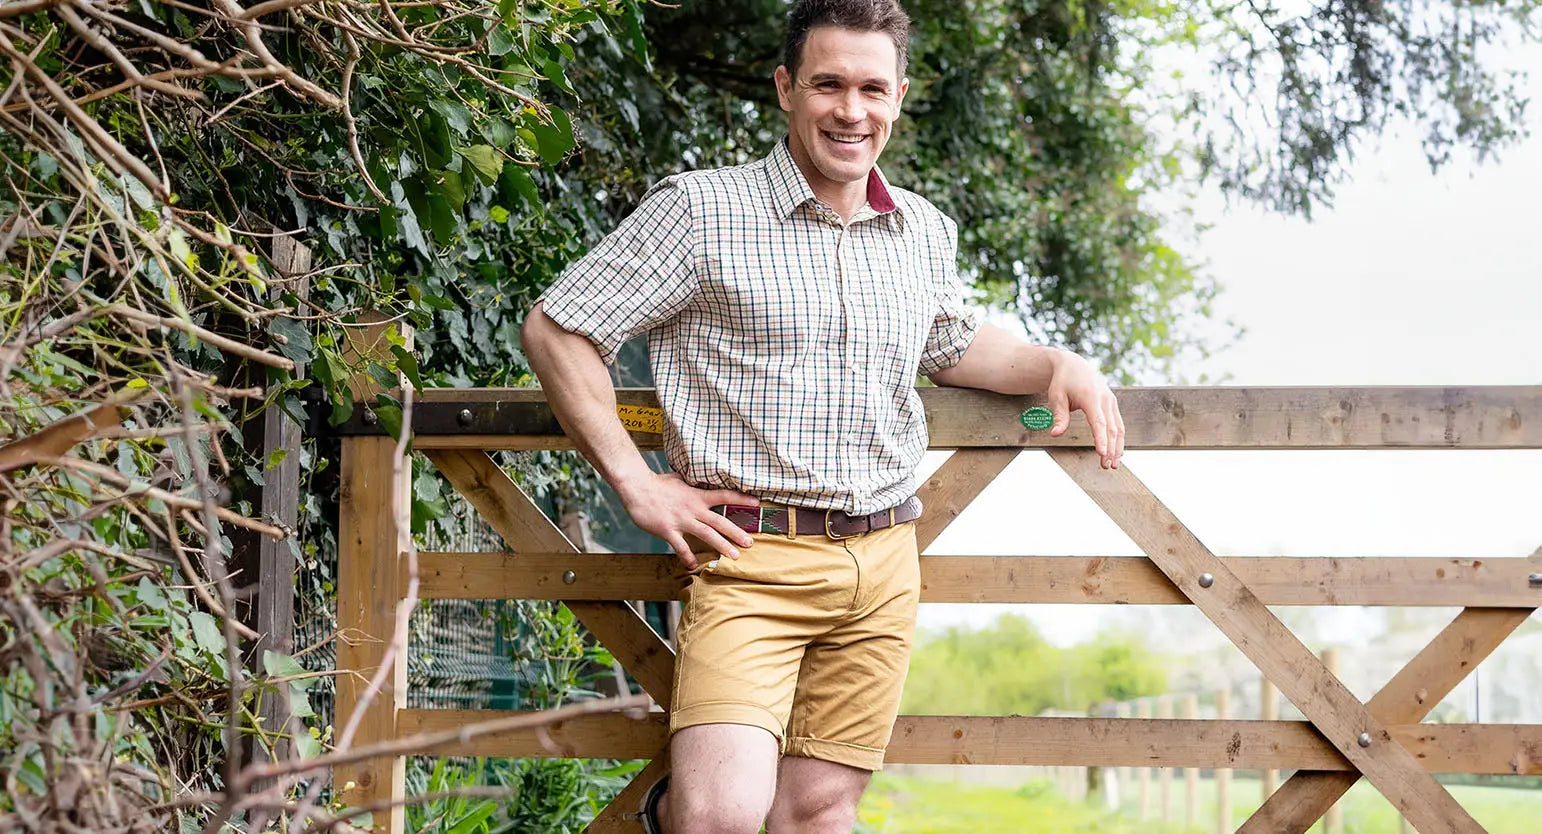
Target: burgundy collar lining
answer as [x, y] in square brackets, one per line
[878, 194]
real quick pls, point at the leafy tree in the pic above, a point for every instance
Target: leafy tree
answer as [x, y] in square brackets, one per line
[1008, 668]
[1049, 127]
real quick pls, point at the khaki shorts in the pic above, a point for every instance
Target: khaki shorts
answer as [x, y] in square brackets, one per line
[807, 637]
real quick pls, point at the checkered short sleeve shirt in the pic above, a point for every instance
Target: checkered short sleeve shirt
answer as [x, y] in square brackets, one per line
[784, 344]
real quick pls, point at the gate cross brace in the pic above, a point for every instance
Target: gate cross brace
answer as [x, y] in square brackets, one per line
[1333, 710]
[1415, 690]
[510, 512]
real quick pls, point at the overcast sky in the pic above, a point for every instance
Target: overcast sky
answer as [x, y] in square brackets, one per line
[1411, 279]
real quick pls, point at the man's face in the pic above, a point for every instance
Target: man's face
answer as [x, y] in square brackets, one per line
[842, 104]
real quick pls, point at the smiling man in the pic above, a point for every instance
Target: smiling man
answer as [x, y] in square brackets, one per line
[789, 305]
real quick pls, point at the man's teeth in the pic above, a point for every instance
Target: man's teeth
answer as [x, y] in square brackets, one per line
[846, 138]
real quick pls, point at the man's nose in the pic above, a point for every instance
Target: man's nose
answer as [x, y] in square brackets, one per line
[851, 107]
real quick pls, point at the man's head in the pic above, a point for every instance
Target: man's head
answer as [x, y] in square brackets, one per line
[842, 84]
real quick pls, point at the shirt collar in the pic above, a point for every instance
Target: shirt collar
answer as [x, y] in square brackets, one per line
[790, 189]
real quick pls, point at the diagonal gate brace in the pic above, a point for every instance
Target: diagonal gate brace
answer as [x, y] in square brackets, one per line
[1406, 699]
[1342, 719]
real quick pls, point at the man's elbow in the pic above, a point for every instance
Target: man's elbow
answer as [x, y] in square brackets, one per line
[944, 378]
[539, 333]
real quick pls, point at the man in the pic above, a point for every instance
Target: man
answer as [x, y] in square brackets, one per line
[789, 305]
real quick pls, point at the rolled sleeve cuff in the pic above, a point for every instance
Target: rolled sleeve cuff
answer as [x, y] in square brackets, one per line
[953, 341]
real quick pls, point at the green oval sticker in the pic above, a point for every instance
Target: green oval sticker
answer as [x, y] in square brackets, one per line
[1038, 418]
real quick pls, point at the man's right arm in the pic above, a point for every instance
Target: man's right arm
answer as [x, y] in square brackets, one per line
[578, 388]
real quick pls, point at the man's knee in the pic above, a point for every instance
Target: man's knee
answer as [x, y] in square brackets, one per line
[715, 812]
[819, 813]
[723, 779]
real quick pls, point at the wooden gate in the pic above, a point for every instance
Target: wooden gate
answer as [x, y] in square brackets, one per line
[1342, 740]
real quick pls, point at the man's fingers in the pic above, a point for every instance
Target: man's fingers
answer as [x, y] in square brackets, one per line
[683, 553]
[729, 530]
[714, 540]
[1112, 427]
[729, 496]
[1099, 424]
[1116, 423]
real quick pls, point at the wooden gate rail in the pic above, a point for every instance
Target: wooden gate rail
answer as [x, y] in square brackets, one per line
[1104, 580]
[1342, 740]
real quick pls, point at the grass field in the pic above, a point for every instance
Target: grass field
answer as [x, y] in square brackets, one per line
[913, 805]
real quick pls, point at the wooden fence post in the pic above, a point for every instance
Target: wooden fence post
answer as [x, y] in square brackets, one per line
[1190, 774]
[1143, 711]
[1222, 774]
[266, 567]
[1165, 775]
[370, 547]
[1269, 710]
[1333, 821]
[1123, 776]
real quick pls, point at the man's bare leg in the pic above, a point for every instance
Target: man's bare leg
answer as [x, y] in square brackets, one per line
[816, 797]
[722, 778]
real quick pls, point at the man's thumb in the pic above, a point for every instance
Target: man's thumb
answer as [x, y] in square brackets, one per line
[1062, 411]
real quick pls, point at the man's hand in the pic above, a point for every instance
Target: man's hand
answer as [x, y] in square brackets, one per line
[1074, 385]
[666, 506]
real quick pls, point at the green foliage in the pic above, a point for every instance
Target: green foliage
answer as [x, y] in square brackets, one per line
[553, 796]
[1010, 669]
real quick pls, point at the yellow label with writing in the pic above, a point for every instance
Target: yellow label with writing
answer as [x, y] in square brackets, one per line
[640, 418]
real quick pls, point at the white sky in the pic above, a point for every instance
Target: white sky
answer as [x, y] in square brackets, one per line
[1412, 279]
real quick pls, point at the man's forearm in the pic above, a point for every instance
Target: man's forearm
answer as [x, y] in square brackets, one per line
[998, 361]
[578, 389]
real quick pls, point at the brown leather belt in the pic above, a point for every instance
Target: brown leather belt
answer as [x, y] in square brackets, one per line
[801, 521]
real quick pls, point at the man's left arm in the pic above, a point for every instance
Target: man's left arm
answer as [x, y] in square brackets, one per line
[998, 361]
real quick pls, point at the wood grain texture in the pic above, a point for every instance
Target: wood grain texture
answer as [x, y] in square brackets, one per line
[1253, 629]
[368, 590]
[509, 511]
[1049, 742]
[1486, 417]
[1494, 583]
[961, 478]
[1407, 698]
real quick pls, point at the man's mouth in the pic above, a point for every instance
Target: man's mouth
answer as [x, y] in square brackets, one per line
[845, 138]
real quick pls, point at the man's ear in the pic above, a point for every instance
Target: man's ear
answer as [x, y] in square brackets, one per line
[783, 80]
[904, 87]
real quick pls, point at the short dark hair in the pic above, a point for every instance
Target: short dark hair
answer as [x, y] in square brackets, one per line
[883, 16]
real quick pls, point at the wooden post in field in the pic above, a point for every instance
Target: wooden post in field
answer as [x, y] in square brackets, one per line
[1165, 775]
[1269, 710]
[1143, 710]
[265, 567]
[1333, 821]
[1123, 776]
[370, 547]
[1190, 774]
[1223, 775]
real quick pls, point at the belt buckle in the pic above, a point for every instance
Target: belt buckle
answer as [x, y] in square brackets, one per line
[831, 533]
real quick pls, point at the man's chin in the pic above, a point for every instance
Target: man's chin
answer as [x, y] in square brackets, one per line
[845, 171]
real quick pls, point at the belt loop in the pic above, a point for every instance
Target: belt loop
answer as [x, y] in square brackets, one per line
[891, 516]
[792, 522]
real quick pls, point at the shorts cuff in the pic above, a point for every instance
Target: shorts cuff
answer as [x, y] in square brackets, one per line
[851, 755]
[726, 712]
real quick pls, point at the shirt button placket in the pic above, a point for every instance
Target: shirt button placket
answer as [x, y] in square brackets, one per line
[846, 371]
